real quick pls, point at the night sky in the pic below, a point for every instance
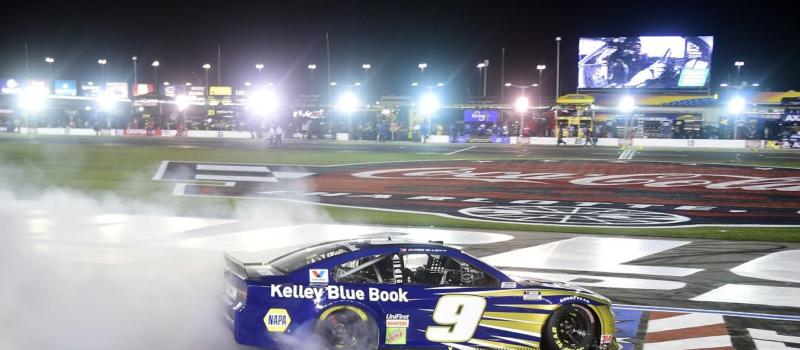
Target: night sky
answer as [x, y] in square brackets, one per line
[451, 36]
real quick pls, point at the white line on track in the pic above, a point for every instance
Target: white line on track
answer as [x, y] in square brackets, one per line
[461, 150]
[665, 155]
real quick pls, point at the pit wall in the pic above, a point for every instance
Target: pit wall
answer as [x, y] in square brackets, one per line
[613, 142]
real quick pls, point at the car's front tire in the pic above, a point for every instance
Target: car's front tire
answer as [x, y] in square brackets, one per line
[571, 327]
[347, 328]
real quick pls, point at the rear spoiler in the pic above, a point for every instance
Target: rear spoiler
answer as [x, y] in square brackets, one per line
[248, 271]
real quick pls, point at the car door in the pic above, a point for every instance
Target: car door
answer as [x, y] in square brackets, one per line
[441, 309]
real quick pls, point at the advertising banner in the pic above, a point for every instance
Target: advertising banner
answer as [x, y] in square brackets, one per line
[170, 91]
[65, 88]
[142, 89]
[118, 89]
[480, 115]
[645, 62]
[220, 91]
[90, 90]
[791, 116]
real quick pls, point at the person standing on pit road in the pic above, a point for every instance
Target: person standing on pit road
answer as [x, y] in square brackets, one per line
[382, 130]
[424, 130]
[271, 136]
[453, 131]
[278, 135]
[560, 138]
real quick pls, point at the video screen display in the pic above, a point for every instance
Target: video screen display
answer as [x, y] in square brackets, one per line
[645, 62]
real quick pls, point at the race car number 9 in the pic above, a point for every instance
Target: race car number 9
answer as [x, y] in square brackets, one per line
[457, 317]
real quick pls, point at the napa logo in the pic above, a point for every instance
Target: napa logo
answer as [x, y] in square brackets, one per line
[318, 276]
[277, 320]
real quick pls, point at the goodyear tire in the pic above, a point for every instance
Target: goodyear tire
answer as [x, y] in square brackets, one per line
[571, 327]
[347, 328]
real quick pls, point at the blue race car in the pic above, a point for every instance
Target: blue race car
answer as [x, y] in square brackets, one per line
[399, 294]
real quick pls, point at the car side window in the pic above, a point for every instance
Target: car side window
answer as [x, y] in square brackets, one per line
[371, 269]
[442, 270]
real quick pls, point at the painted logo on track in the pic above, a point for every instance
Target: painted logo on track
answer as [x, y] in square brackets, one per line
[574, 193]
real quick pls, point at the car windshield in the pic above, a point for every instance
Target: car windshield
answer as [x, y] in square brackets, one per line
[305, 256]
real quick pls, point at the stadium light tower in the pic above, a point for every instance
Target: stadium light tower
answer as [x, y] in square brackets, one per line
[736, 106]
[260, 67]
[311, 69]
[422, 67]
[135, 75]
[540, 68]
[738, 65]
[50, 61]
[102, 62]
[483, 67]
[155, 65]
[558, 65]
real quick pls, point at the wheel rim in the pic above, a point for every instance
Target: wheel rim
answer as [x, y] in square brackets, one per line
[573, 328]
[342, 329]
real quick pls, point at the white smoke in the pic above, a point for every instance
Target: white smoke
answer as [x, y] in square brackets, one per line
[67, 282]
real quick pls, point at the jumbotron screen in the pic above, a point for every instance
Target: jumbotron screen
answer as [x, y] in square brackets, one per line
[645, 62]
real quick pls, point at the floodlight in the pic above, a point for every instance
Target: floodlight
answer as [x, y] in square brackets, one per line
[429, 103]
[32, 99]
[263, 102]
[521, 105]
[736, 105]
[348, 102]
[627, 104]
[106, 101]
[183, 102]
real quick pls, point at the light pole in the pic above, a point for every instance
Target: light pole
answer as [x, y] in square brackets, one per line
[480, 67]
[102, 62]
[366, 67]
[155, 65]
[422, 67]
[541, 69]
[736, 106]
[627, 105]
[50, 61]
[206, 67]
[259, 66]
[522, 102]
[485, 67]
[135, 76]
[558, 65]
[738, 65]
[521, 106]
[311, 68]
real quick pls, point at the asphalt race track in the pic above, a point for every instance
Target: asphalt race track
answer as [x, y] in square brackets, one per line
[669, 293]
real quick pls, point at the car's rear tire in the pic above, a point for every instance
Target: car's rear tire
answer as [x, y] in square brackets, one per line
[347, 328]
[571, 327]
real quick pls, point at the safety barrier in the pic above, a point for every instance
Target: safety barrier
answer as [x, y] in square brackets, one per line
[614, 142]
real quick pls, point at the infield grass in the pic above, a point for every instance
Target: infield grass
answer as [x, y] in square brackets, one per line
[29, 167]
